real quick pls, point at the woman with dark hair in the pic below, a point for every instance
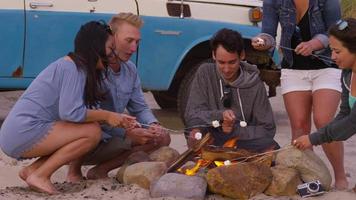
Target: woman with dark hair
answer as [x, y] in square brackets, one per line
[55, 119]
[342, 37]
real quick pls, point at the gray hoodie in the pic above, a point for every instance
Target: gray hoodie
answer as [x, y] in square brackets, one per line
[205, 104]
[344, 124]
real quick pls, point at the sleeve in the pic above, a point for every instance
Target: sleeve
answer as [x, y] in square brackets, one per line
[270, 18]
[262, 124]
[137, 105]
[342, 127]
[71, 103]
[331, 13]
[198, 111]
[269, 23]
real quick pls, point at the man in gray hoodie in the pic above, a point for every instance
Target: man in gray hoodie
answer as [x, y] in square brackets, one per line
[230, 91]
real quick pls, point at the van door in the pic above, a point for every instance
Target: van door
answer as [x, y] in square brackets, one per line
[11, 37]
[52, 25]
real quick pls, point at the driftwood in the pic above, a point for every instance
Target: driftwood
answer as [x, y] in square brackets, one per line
[183, 158]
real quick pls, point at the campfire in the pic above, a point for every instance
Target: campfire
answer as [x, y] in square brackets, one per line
[210, 156]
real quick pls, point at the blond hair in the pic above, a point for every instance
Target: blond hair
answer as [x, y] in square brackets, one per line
[120, 18]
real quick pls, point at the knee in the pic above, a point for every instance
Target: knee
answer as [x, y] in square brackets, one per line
[93, 131]
[319, 122]
[300, 124]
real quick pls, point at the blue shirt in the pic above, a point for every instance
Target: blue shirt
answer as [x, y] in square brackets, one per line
[322, 14]
[124, 92]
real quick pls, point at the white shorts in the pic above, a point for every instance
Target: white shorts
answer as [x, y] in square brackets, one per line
[310, 80]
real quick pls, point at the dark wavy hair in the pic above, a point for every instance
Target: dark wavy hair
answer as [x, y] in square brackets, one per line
[347, 36]
[231, 41]
[89, 47]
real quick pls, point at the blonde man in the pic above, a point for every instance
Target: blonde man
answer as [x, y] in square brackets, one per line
[124, 92]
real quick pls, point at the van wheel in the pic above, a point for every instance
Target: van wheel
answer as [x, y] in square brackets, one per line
[165, 99]
[184, 89]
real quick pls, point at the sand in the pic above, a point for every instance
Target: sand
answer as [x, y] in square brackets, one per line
[12, 187]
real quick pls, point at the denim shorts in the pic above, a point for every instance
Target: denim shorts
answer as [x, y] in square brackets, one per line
[310, 80]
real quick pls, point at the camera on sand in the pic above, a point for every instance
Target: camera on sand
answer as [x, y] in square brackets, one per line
[309, 189]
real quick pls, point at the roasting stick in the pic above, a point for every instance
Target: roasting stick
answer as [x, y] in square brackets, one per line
[243, 159]
[320, 57]
[180, 130]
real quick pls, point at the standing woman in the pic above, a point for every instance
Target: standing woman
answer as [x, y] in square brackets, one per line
[54, 119]
[310, 82]
[342, 38]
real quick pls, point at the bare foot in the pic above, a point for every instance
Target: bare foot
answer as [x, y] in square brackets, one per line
[95, 173]
[74, 173]
[25, 172]
[41, 184]
[74, 178]
[341, 184]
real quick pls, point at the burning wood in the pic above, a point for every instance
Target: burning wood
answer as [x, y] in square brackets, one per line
[223, 153]
[231, 142]
[188, 153]
[216, 156]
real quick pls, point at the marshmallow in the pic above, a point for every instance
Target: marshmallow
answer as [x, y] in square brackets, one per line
[227, 162]
[260, 41]
[215, 123]
[198, 135]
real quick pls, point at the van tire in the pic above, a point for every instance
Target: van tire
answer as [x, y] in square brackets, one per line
[165, 99]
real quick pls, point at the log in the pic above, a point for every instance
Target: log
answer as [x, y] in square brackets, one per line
[217, 153]
[185, 156]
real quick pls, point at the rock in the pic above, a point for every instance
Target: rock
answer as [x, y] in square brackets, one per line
[179, 185]
[144, 173]
[120, 173]
[307, 163]
[285, 181]
[241, 180]
[139, 156]
[165, 154]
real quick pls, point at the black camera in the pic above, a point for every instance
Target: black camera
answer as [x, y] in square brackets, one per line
[309, 189]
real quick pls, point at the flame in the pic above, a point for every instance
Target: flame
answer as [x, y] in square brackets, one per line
[231, 142]
[219, 163]
[191, 172]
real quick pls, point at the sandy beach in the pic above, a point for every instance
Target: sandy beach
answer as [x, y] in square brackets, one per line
[12, 187]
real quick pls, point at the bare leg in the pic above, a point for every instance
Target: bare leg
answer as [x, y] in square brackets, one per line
[65, 143]
[325, 104]
[298, 106]
[28, 170]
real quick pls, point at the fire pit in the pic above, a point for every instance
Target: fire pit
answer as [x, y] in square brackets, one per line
[210, 156]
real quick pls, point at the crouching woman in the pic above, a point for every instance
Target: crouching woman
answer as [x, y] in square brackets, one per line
[55, 118]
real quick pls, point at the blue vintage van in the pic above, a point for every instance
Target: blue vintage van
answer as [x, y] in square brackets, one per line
[34, 33]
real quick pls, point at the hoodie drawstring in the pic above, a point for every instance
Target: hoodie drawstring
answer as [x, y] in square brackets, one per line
[243, 123]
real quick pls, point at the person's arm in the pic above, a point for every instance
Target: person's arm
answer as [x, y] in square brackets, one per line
[269, 27]
[331, 13]
[137, 105]
[262, 122]
[111, 118]
[197, 111]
